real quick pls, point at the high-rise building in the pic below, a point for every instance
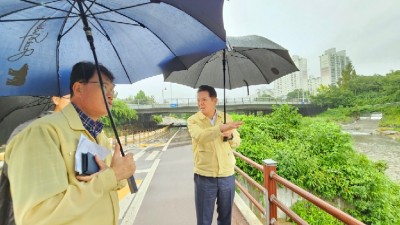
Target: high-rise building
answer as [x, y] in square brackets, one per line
[293, 81]
[313, 84]
[332, 64]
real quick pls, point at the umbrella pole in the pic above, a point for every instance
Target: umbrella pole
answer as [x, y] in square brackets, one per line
[223, 70]
[131, 181]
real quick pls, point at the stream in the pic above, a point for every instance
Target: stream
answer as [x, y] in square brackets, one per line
[375, 146]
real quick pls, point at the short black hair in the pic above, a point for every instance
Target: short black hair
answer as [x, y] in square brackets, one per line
[83, 71]
[211, 91]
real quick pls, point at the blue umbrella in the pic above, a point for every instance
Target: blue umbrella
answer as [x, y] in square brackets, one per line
[136, 39]
[42, 39]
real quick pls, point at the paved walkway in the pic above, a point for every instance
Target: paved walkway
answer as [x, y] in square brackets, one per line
[166, 194]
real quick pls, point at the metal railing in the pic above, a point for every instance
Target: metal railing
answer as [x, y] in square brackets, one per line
[269, 189]
[138, 136]
[180, 102]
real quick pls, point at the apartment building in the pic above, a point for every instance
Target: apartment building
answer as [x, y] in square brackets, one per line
[331, 64]
[293, 81]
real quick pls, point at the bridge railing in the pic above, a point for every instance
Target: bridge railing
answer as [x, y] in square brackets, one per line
[269, 188]
[182, 102]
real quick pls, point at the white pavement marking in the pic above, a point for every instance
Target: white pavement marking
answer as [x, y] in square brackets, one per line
[169, 141]
[152, 155]
[142, 171]
[129, 214]
[125, 203]
[138, 155]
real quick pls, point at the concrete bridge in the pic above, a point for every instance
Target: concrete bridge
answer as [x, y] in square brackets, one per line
[240, 105]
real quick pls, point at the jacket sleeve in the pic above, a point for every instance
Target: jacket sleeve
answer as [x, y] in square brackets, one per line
[235, 142]
[43, 189]
[200, 134]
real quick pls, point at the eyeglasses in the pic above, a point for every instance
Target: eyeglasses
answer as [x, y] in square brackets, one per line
[107, 87]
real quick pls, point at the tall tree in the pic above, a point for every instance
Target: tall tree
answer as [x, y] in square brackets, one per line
[141, 99]
[333, 97]
[122, 114]
[348, 74]
[391, 86]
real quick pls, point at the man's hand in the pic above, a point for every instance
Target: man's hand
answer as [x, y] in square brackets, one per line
[124, 167]
[228, 134]
[102, 166]
[229, 126]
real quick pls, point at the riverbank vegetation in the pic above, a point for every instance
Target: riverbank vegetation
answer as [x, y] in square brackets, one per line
[357, 95]
[316, 155]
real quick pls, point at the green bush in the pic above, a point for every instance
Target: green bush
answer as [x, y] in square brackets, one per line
[313, 215]
[157, 118]
[316, 155]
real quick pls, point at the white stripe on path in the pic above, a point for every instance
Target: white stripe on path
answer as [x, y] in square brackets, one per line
[131, 212]
[152, 155]
[169, 141]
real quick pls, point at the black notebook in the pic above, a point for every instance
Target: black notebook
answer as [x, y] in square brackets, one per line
[89, 165]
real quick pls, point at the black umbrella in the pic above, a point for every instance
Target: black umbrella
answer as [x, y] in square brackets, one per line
[247, 60]
[18, 109]
[42, 39]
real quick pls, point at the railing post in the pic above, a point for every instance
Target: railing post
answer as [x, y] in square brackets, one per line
[269, 166]
[126, 138]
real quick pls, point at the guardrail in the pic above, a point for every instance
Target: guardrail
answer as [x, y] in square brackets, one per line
[269, 189]
[181, 102]
[136, 137]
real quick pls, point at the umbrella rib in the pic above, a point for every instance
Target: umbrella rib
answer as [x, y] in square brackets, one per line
[35, 4]
[245, 55]
[203, 66]
[119, 13]
[142, 25]
[36, 102]
[111, 42]
[229, 74]
[145, 27]
[116, 10]
[114, 21]
[60, 35]
[46, 5]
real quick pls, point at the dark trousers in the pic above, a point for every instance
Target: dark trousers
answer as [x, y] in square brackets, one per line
[211, 190]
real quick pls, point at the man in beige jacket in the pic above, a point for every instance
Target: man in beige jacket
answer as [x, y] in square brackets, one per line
[6, 207]
[41, 160]
[213, 158]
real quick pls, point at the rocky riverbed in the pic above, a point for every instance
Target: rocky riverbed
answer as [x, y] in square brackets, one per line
[376, 145]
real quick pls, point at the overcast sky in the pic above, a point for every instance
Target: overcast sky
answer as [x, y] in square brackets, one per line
[367, 29]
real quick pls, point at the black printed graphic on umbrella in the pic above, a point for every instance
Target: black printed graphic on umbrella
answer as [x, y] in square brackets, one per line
[18, 76]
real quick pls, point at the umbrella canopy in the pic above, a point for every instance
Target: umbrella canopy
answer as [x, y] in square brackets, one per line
[18, 109]
[135, 39]
[42, 39]
[250, 60]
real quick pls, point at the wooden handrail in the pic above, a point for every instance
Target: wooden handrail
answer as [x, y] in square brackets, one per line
[296, 218]
[251, 198]
[269, 188]
[249, 161]
[337, 213]
[249, 179]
